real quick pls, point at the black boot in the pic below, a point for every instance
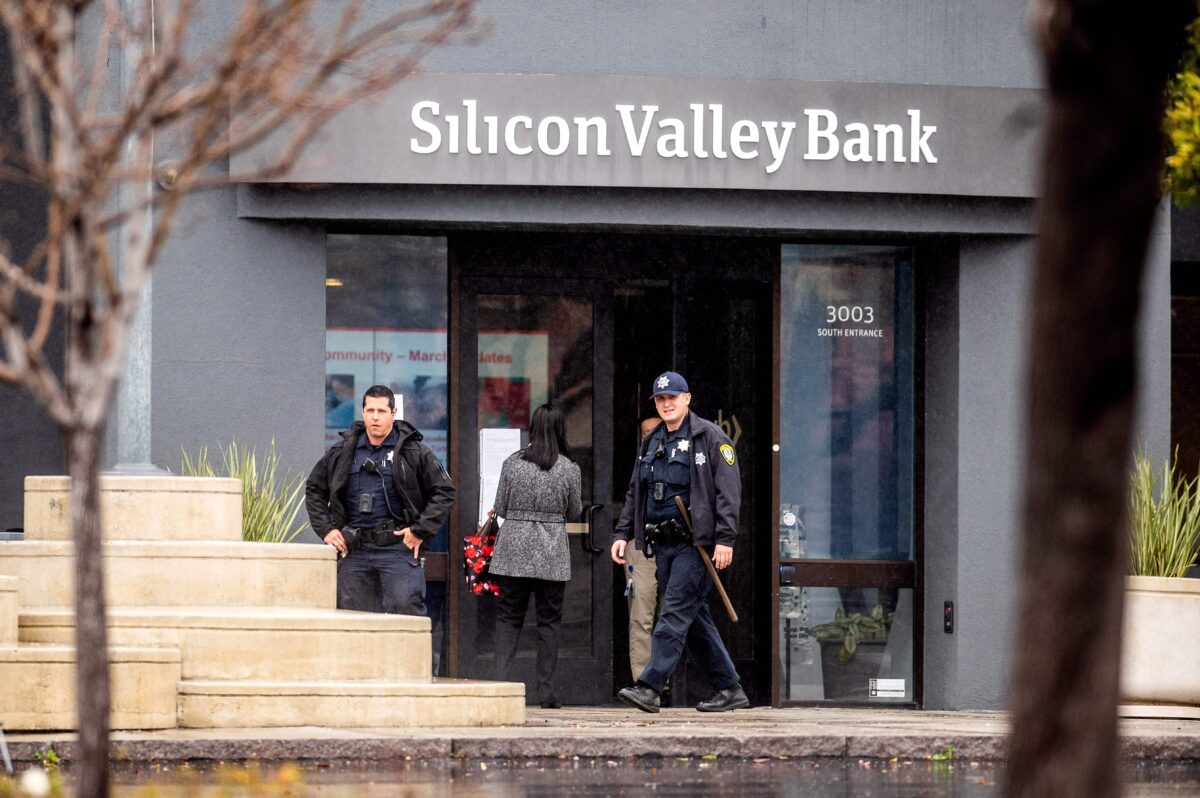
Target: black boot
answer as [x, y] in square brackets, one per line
[643, 697]
[725, 700]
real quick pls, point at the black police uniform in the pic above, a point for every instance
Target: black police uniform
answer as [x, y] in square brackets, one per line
[377, 490]
[697, 463]
[666, 472]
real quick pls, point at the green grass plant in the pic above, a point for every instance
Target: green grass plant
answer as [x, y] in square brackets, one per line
[271, 501]
[1164, 519]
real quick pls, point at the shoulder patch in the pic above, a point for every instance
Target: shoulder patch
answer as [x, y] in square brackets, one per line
[727, 453]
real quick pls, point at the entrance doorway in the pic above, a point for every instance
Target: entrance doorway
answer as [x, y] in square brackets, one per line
[586, 322]
[540, 341]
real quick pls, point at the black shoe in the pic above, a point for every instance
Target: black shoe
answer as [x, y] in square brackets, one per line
[640, 696]
[550, 703]
[725, 700]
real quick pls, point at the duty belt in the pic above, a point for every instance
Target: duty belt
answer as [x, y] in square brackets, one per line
[662, 533]
[381, 534]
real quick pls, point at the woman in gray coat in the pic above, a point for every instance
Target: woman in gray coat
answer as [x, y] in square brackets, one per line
[539, 492]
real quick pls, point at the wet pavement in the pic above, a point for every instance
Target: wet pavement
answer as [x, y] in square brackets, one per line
[606, 777]
[811, 778]
[622, 733]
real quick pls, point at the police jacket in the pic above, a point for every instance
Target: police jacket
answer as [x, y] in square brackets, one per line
[716, 490]
[421, 481]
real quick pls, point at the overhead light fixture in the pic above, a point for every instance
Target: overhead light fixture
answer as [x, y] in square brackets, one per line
[333, 282]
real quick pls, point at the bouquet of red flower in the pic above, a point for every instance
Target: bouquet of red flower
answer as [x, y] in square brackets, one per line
[477, 554]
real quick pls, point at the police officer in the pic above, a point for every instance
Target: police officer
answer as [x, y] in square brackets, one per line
[376, 497]
[692, 458]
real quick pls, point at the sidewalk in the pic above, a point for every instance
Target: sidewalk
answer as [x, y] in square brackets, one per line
[617, 732]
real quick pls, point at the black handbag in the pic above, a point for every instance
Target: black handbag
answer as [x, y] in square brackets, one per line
[477, 556]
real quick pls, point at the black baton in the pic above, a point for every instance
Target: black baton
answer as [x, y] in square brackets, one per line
[687, 519]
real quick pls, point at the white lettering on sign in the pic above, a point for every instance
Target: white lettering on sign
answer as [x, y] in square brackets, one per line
[636, 142]
[434, 132]
[852, 332]
[778, 143]
[598, 124]
[854, 145]
[701, 134]
[855, 313]
[822, 143]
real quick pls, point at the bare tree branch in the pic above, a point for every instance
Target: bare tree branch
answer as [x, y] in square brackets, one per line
[31, 123]
[25, 365]
[17, 278]
[96, 164]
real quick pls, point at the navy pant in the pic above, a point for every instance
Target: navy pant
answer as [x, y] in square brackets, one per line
[685, 620]
[381, 579]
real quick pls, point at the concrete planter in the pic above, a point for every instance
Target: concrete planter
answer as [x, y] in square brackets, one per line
[1161, 647]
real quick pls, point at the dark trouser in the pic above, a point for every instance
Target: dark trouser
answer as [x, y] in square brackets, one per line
[510, 617]
[684, 619]
[381, 579]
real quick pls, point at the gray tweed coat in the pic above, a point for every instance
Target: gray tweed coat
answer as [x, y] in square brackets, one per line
[534, 505]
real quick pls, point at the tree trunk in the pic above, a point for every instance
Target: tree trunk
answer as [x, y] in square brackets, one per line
[1107, 63]
[90, 767]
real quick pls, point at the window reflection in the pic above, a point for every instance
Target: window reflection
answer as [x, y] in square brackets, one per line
[845, 399]
[386, 315]
[846, 644]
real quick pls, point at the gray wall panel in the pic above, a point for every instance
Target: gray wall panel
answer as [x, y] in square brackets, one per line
[994, 281]
[239, 335]
[1154, 378]
[993, 286]
[969, 43]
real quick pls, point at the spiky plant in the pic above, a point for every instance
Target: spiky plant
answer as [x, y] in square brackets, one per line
[270, 502]
[1164, 519]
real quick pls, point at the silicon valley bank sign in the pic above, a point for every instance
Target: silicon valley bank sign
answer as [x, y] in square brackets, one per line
[656, 132]
[703, 132]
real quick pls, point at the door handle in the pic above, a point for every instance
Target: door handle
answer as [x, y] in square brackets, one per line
[587, 540]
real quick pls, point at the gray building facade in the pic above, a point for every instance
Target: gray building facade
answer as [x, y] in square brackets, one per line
[860, 324]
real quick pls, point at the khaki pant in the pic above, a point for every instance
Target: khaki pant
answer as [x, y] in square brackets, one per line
[642, 605]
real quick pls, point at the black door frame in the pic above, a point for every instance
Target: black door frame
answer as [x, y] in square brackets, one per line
[590, 678]
[904, 574]
[470, 259]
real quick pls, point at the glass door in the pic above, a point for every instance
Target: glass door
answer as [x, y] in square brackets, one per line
[848, 604]
[535, 341]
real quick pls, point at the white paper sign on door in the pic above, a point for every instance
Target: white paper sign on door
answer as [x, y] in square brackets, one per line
[495, 445]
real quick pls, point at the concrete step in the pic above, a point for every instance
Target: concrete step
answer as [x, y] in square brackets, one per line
[37, 687]
[140, 508]
[203, 573]
[343, 704]
[224, 643]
